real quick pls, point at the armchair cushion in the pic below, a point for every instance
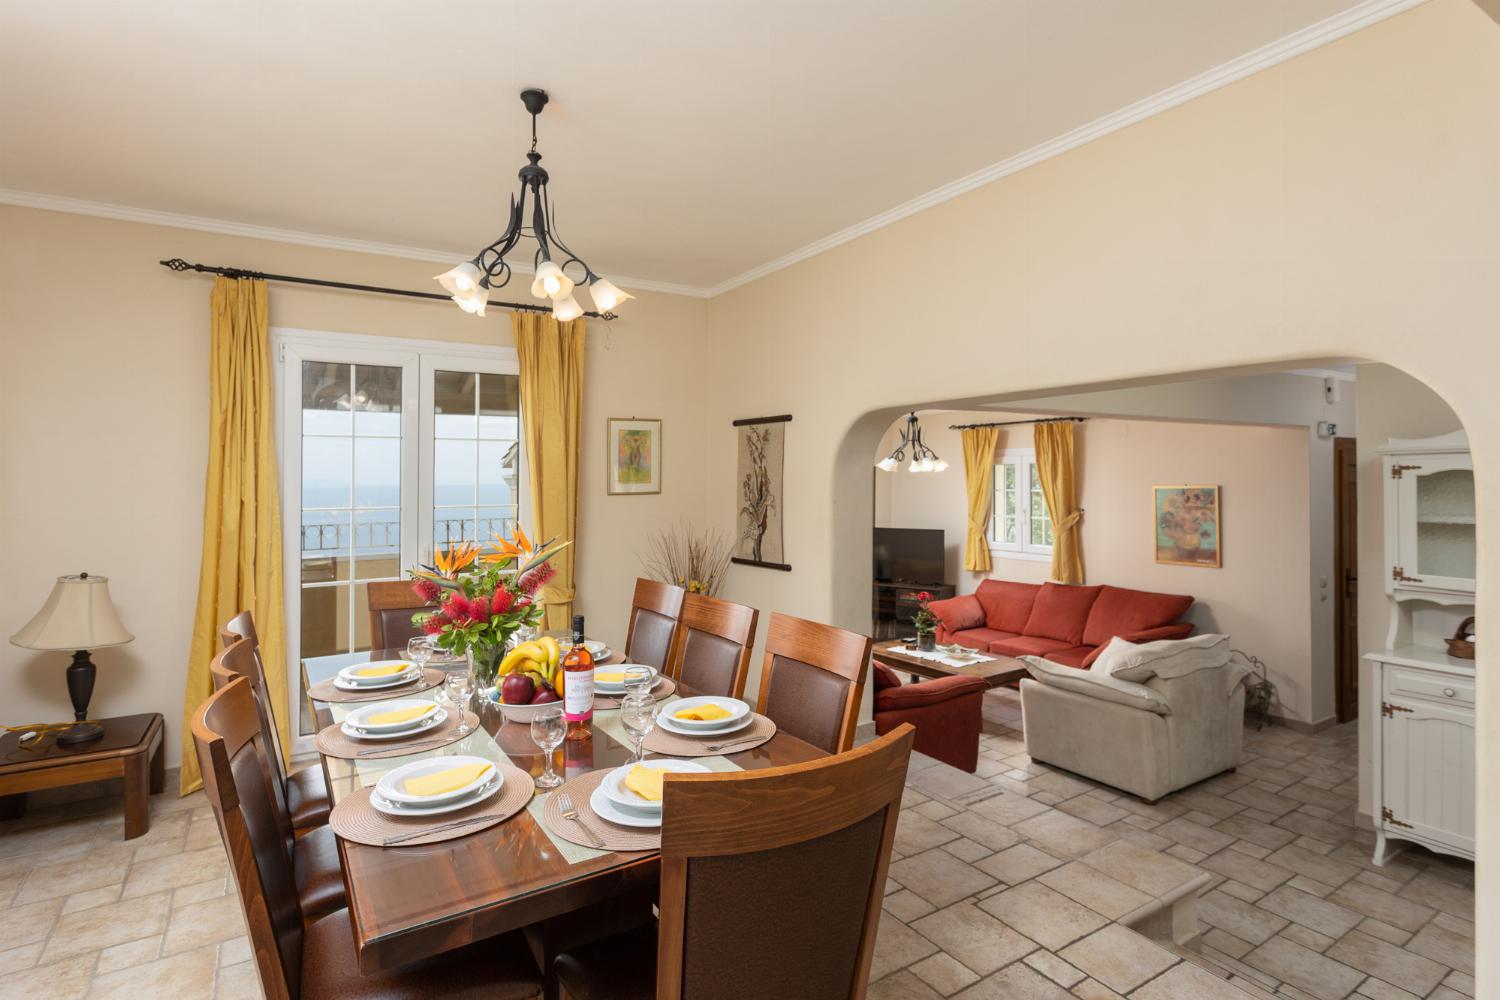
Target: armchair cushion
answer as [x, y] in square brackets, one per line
[1128, 661]
[1060, 612]
[1096, 685]
[884, 676]
[1119, 611]
[958, 613]
[1007, 605]
[1177, 630]
[926, 693]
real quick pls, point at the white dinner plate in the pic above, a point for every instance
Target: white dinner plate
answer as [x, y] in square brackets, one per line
[382, 804]
[594, 646]
[358, 718]
[618, 687]
[668, 723]
[738, 710]
[616, 792]
[607, 810]
[347, 682]
[430, 721]
[389, 785]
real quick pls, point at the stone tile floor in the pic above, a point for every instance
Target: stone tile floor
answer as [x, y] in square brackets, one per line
[1012, 883]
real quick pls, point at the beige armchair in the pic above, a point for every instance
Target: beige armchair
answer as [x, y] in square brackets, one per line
[1149, 738]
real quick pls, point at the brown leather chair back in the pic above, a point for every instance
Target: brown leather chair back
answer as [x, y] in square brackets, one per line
[711, 650]
[783, 870]
[654, 611]
[242, 626]
[392, 603]
[236, 661]
[238, 780]
[812, 680]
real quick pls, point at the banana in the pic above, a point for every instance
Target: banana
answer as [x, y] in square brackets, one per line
[536, 678]
[552, 650]
[525, 651]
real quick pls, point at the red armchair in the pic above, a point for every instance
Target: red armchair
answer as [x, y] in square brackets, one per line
[947, 713]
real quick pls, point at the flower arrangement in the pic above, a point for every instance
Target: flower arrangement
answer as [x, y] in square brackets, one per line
[483, 598]
[925, 621]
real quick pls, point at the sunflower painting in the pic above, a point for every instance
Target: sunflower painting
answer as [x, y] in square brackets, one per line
[1187, 526]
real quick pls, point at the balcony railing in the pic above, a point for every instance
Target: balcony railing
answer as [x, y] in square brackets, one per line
[385, 536]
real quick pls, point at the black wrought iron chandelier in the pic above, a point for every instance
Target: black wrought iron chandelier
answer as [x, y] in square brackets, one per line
[470, 283]
[923, 458]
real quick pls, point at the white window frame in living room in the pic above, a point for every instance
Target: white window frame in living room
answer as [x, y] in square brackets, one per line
[1023, 460]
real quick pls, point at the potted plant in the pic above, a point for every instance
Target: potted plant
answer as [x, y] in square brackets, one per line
[484, 598]
[926, 623]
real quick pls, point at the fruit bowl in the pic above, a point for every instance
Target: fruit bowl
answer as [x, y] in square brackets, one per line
[529, 670]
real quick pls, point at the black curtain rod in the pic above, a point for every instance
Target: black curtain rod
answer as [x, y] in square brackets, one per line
[1012, 423]
[178, 264]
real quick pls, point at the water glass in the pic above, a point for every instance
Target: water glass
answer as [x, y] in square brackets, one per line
[419, 651]
[547, 731]
[638, 679]
[460, 686]
[638, 716]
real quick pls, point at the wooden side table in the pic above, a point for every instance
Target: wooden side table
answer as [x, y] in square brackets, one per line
[132, 748]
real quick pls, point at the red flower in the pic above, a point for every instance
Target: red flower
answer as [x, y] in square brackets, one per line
[924, 597]
[534, 580]
[502, 602]
[457, 608]
[479, 609]
[433, 624]
[426, 589]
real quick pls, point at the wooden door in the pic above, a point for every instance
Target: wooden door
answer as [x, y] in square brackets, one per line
[1346, 570]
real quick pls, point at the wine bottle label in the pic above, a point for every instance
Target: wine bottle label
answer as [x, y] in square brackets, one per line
[578, 695]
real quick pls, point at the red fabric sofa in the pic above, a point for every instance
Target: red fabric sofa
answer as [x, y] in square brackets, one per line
[947, 713]
[1064, 623]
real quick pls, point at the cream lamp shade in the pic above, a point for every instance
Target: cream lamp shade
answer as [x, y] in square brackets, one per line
[78, 615]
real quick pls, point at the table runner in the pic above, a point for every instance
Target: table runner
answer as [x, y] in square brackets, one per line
[938, 656]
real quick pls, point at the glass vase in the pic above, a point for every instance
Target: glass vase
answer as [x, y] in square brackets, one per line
[926, 641]
[484, 663]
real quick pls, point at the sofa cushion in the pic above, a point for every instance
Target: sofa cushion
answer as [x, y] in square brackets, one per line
[1078, 656]
[959, 613]
[1007, 605]
[1060, 612]
[1178, 630]
[980, 638]
[1027, 645]
[1119, 611]
[1128, 661]
[1095, 685]
[884, 676]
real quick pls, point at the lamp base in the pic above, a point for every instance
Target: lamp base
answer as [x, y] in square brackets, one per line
[82, 732]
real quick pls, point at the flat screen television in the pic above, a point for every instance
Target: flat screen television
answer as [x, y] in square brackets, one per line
[909, 555]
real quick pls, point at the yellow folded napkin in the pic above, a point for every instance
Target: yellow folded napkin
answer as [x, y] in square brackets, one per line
[609, 676]
[381, 671]
[399, 715]
[704, 713]
[645, 782]
[441, 782]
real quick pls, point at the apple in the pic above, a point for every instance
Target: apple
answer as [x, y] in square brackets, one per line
[545, 696]
[517, 689]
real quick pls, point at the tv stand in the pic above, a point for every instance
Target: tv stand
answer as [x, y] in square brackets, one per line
[893, 603]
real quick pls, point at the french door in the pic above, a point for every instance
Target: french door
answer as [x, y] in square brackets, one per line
[389, 450]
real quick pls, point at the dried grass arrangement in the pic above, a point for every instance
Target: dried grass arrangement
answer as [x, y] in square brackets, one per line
[695, 559]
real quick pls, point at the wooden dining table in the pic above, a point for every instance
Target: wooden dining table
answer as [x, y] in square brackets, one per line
[412, 902]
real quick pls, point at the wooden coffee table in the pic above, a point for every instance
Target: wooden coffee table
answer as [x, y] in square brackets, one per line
[132, 748]
[995, 672]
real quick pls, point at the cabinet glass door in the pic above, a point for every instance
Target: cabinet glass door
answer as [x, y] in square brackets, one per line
[1437, 543]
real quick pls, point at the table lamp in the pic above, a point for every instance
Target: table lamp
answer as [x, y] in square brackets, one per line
[78, 616]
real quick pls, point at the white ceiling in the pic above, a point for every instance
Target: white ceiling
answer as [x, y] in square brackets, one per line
[689, 141]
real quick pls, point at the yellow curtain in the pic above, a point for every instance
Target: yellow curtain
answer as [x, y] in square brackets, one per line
[979, 478]
[241, 565]
[1054, 465]
[551, 356]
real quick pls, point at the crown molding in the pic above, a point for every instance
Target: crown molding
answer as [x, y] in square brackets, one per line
[226, 227]
[1309, 38]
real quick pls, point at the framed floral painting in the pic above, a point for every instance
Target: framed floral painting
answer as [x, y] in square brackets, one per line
[1187, 526]
[634, 452]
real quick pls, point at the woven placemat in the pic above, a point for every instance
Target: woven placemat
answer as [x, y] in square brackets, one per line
[325, 692]
[611, 836]
[673, 745]
[354, 818]
[665, 687]
[332, 742]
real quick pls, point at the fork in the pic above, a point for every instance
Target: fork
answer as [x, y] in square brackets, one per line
[715, 747]
[565, 803]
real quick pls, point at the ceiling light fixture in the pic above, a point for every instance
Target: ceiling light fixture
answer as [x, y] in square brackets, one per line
[470, 283]
[923, 458]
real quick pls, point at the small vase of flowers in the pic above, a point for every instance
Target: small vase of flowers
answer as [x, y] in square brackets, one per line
[926, 623]
[483, 598]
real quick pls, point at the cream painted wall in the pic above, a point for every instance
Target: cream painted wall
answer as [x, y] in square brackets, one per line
[1257, 597]
[1342, 204]
[103, 430]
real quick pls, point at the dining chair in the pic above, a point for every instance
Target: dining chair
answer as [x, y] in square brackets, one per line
[318, 875]
[316, 960]
[812, 680]
[307, 801]
[392, 603]
[783, 872]
[710, 651]
[654, 611]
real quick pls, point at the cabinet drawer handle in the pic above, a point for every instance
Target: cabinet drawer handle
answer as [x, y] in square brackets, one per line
[1449, 692]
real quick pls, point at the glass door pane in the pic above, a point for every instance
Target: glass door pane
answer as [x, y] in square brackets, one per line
[475, 456]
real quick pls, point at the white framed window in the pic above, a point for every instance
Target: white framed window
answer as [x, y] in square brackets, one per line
[1020, 524]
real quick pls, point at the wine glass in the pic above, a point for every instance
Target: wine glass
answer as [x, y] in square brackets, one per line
[547, 732]
[419, 651]
[460, 686]
[637, 679]
[638, 716]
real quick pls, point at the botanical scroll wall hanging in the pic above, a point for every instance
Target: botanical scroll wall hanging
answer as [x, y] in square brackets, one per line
[760, 492]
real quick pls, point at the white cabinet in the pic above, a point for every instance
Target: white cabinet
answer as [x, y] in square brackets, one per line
[1423, 704]
[1429, 512]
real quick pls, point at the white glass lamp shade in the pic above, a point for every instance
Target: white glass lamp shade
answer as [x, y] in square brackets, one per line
[78, 615]
[550, 282]
[940, 466]
[475, 301]
[461, 281]
[606, 295]
[886, 464]
[566, 308]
